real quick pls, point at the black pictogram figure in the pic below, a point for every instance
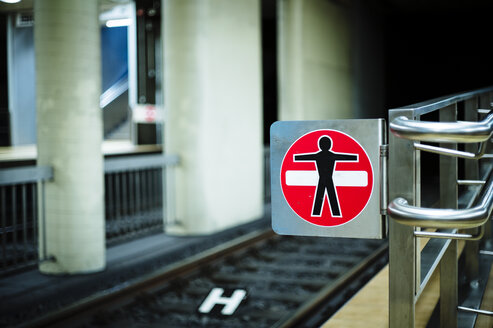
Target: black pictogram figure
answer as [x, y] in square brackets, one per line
[325, 161]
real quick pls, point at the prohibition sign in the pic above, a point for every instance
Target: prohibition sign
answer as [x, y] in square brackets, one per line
[326, 177]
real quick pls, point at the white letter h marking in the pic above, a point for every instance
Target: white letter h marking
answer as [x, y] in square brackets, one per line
[230, 303]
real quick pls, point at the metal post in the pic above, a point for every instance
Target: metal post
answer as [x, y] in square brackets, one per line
[3, 206]
[131, 201]
[485, 103]
[24, 222]
[448, 287]
[34, 217]
[116, 221]
[110, 206]
[149, 189]
[14, 222]
[124, 205]
[402, 245]
[448, 199]
[41, 221]
[471, 168]
[138, 210]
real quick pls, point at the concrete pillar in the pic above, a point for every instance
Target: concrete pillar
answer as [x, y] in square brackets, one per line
[314, 56]
[68, 86]
[213, 117]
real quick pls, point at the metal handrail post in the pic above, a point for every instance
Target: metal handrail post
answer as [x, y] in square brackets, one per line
[449, 193]
[485, 101]
[402, 177]
[471, 168]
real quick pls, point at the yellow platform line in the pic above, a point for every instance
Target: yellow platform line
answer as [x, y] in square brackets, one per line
[369, 308]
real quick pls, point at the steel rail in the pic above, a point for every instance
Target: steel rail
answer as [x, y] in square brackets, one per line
[124, 294]
[463, 132]
[432, 105]
[473, 217]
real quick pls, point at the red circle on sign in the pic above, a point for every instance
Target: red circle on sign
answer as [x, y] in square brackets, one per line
[326, 177]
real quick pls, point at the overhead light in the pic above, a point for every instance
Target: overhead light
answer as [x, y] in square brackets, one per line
[10, 1]
[118, 22]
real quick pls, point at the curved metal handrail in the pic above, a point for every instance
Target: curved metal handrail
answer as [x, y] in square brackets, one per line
[465, 132]
[473, 217]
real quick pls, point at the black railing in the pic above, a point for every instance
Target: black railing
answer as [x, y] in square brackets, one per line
[134, 196]
[133, 204]
[20, 216]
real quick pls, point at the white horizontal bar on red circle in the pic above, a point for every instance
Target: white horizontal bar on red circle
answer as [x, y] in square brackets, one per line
[340, 178]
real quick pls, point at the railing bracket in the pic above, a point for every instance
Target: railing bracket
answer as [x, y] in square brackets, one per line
[477, 311]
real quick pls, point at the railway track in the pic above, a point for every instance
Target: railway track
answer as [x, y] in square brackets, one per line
[287, 280]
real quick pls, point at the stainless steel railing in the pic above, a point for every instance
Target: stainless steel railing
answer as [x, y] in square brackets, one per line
[466, 218]
[411, 265]
[464, 132]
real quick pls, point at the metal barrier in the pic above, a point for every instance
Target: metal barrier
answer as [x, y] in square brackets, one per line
[134, 195]
[21, 190]
[133, 202]
[465, 196]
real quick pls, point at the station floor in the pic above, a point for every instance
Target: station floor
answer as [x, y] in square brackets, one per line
[369, 307]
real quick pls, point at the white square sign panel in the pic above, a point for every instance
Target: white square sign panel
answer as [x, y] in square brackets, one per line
[325, 178]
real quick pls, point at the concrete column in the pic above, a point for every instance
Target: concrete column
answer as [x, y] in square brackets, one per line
[213, 117]
[68, 86]
[314, 58]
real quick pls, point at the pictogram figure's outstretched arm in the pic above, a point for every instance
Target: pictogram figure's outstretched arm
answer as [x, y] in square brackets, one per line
[306, 157]
[345, 157]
